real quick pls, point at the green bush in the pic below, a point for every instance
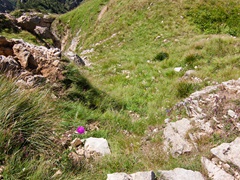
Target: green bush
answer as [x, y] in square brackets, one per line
[184, 89]
[161, 56]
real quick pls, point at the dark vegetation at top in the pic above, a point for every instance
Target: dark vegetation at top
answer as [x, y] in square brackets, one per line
[52, 6]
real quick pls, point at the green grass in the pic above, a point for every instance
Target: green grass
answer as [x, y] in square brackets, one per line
[132, 83]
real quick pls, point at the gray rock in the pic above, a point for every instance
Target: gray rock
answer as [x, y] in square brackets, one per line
[231, 113]
[148, 175]
[44, 32]
[190, 73]
[99, 145]
[174, 135]
[177, 69]
[215, 172]
[229, 152]
[118, 176]
[75, 58]
[181, 174]
[8, 64]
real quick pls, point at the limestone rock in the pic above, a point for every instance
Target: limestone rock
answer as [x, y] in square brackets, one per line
[76, 142]
[9, 65]
[6, 47]
[231, 113]
[57, 174]
[24, 56]
[228, 152]
[148, 175]
[118, 176]
[99, 145]
[215, 172]
[177, 69]
[190, 73]
[44, 32]
[75, 58]
[174, 134]
[181, 174]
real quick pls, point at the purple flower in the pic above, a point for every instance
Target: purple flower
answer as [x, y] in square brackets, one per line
[80, 130]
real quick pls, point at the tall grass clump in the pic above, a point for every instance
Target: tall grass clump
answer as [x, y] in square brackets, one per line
[25, 121]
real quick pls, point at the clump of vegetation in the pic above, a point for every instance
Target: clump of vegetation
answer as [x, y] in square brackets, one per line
[25, 121]
[161, 56]
[184, 89]
[191, 58]
[216, 16]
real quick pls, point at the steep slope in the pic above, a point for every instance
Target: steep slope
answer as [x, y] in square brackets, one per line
[144, 57]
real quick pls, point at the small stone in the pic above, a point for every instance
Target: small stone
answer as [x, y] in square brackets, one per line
[118, 176]
[76, 142]
[226, 166]
[56, 63]
[80, 152]
[149, 175]
[177, 69]
[190, 73]
[231, 113]
[58, 173]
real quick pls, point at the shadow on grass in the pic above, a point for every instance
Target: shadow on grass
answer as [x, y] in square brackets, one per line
[78, 88]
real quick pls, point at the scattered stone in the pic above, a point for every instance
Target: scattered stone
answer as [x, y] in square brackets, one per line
[228, 152]
[57, 174]
[177, 69]
[99, 145]
[231, 113]
[75, 58]
[148, 175]
[118, 176]
[76, 142]
[181, 174]
[215, 172]
[174, 134]
[190, 73]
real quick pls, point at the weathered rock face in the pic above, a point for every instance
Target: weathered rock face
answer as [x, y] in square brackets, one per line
[210, 109]
[6, 47]
[31, 64]
[215, 172]
[30, 21]
[228, 152]
[175, 134]
[181, 174]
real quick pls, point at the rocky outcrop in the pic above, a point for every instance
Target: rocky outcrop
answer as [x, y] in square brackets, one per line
[215, 172]
[175, 134]
[210, 109]
[29, 63]
[228, 152]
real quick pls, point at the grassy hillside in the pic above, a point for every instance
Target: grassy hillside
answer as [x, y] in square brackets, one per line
[131, 83]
